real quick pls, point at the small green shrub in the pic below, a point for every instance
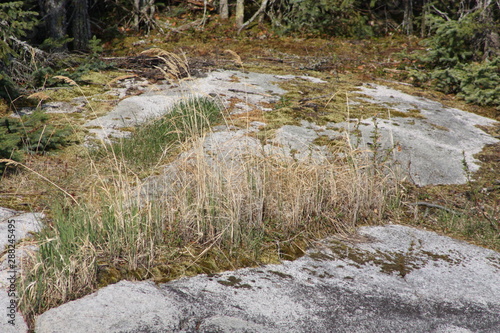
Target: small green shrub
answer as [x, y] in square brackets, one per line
[15, 21]
[476, 82]
[447, 80]
[337, 17]
[452, 42]
[29, 135]
[480, 83]
[454, 61]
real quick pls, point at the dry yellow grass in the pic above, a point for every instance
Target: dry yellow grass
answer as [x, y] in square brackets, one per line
[120, 78]
[175, 66]
[66, 79]
[236, 57]
[41, 96]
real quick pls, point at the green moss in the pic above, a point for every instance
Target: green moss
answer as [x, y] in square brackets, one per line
[330, 102]
[324, 140]
[399, 263]
[281, 275]
[101, 77]
[413, 113]
[291, 251]
[234, 282]
[67, 94]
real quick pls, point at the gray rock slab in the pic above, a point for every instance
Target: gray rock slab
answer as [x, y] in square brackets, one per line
[431, 149]
[225, 148]
[130, 112]
[14, 226]
[253, 89]
[53, 107]
[297, 142]
[385, 279]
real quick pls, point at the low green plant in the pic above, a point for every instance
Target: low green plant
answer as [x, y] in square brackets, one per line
[456, 62]
[452, 42]
[53, 45]
[480, 83]
[31, 134]
[78, 240]
[476, 82]
[15, 22]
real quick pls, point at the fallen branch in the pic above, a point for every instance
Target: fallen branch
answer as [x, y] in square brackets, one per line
[186, 26]
[29, 49]
[248, 92]
[431, 205]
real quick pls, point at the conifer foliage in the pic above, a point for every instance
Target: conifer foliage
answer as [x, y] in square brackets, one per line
[15, 22]
[30, 134]
[463, 55]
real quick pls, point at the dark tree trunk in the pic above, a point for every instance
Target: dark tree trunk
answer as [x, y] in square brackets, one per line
[491, 34]
[80, 24]
[408, 17]
[54, 17]
[423, 15]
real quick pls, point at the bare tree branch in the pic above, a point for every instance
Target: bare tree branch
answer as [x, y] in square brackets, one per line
[262, 8]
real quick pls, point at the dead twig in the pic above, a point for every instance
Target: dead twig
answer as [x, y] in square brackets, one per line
[431, 205]
[248, 92]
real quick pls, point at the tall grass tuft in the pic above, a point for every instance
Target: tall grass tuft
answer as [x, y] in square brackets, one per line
[233, 202]
[213, 200]
[108, 226]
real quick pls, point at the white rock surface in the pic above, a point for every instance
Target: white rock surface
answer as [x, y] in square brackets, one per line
[386, 279]
[432, 148]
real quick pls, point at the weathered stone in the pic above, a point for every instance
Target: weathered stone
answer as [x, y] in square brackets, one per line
[385, 279]
[252, 89]
[432, 148]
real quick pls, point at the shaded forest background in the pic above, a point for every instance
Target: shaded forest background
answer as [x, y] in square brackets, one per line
[462, 38]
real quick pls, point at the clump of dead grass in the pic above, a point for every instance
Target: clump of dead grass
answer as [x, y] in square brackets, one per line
[236, 57]
[216, 200]
[175, 66]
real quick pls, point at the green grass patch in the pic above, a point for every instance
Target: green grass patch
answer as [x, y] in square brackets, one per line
[149, 143]
[78, 241]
